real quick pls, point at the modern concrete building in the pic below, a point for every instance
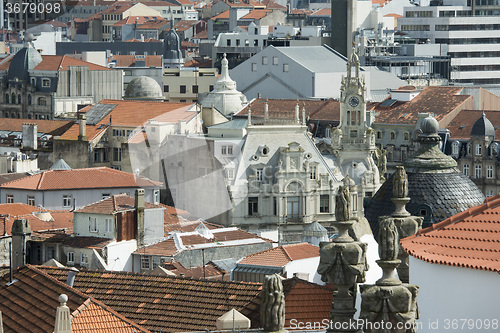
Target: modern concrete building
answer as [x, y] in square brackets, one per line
[470, 31]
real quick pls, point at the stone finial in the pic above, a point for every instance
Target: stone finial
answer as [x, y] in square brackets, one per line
[304, 113]
[272, 304]
[388, 245]
[63, 316]
[249, 116]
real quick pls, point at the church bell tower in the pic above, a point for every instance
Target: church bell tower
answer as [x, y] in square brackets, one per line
[353, 141]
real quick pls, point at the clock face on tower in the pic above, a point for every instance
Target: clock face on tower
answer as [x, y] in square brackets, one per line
[354, 101]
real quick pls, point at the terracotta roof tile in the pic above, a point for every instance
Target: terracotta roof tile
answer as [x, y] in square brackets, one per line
[443, 102]
[29, 305]
[59, 219]
[166, 304]
[115, 203]
[460, 127]
[285, 108]
[306, 302]
[183, 25]
[210, 271]
[153, 24]
[101, 177]
[130, 60]
[52, 127]
[169, 247]
[188, 226]
[222, 16]
[469, 239]
[61, 63]
[133, 114]
[322, 12]
[256, 14]
[281, 255]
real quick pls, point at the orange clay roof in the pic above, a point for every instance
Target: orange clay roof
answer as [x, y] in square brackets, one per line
[129, 60]
[115, 203]
[306, 302]
[134, 20]
[153, 24]
[470, 239]
[132, 114]
[322, 12]
[101, 177]
[29, 305]
[285, 108]
[61, 63]
[256, 14]
[223, 16]
[393, 15]
[443, 102]
[52, 127]
[167, 304]
[461, 126]
[61, 219]
[282, 255]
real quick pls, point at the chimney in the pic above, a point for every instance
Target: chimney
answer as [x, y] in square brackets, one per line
[266, 111]
[297, 108]
[29, 140]
[139, 208]
[63, 316]
[71, 276]
[21, 234]
[82, 125]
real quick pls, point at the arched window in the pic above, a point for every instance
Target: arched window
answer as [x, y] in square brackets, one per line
[13, 98]
[379, 135]
[7, 99]
[29, 99]
[6, 115]
[393, 136]
[19, 101]
[42, 101]
[406, 136]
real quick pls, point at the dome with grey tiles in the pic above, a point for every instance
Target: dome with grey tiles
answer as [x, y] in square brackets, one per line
[436, 187]
[483, 127]
[143, 87]
[25, 60]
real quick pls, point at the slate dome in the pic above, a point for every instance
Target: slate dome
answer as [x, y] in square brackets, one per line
[483, 127]
[436, 187]
[25, 59]
[143, 87]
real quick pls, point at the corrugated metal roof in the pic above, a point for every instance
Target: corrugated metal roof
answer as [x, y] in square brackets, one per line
[320, 59]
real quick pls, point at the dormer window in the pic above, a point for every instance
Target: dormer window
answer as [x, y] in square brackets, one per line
[454, 148]
[478, 149]
[45, 82]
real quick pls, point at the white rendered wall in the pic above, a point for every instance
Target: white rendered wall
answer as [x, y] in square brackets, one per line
[120, 255]
[309, 266]
[448, 292]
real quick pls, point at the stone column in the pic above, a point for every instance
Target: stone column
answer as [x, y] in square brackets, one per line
[389, 305]
[406, 225]
[343, 263]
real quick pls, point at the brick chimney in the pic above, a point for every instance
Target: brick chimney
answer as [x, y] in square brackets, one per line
[82, 126]
[139, 208]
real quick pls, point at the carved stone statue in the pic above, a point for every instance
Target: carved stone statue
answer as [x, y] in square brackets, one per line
[381, 156]
[336, 135]
[343, 204]
[400, 183]
[272, 304]
[388, 239]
